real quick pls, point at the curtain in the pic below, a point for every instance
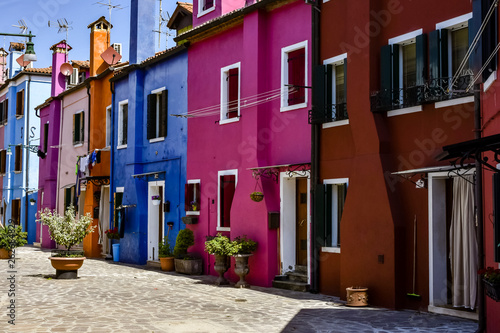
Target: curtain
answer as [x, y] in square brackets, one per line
[104, 218]
[463, 244]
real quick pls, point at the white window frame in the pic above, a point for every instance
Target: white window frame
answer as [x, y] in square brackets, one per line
[334, 181]
[120, 125]
[219, 174]
[82, 123]
[108, 126]
[157, 92]
[224, 96]
[195, 181]
[284, 76]
[202, 12]
[335, 61]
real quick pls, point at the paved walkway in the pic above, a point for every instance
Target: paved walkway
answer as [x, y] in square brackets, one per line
[109, 297]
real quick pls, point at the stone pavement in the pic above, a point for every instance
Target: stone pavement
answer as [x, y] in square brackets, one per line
[111, 297]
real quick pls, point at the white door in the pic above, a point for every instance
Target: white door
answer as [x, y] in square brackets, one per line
[155, 219]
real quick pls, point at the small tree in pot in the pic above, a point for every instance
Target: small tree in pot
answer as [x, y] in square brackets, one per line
[221, 247]
[166, 256]
[11, 237]
[242, 249]
[184, 262]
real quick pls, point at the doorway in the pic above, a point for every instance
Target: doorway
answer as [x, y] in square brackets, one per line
[155, 219]
[295, 222]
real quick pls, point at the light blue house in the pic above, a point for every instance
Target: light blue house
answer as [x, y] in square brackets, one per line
[20, 138]
[148, 144]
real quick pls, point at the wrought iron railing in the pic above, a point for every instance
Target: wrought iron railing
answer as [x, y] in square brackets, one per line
[329, 113]
[434, 90]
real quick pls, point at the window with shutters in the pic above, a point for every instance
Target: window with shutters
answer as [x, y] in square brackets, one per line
[69, 197]
[333, 76]
[230, 94]
[205, 7]
[45, 137]
[192, 197]
[108, 126]
[294, 76]
[227, 186]
[16, 211]
[122, 124]
[78, 128]
[20, 103]
[157, 115]
[3, 161]
[3, 112]
[18, 165]
[332, 195]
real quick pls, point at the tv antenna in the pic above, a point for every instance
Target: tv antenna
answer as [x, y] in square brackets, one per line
[162, 21]
[21, 25]
[110, 7]
[63, 25]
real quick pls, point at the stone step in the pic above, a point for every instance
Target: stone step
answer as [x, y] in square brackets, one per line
[155, 264]
[291, 285]
[298, 277]
[301, 269]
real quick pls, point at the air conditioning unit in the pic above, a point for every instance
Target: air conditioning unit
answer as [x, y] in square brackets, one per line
[117, 47]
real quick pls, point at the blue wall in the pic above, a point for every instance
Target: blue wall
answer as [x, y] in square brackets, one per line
[141, 156]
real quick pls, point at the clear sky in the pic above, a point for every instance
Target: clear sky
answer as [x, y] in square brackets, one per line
[79, 13]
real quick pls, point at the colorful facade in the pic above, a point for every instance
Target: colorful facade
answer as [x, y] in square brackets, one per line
[248, 130]
[148, 143]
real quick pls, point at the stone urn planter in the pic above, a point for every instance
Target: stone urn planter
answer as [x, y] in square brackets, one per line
[189, 266]
[5, 254]
[66, 267]
[167, 264]
[357, 296]
[221, 266]
[241, 269]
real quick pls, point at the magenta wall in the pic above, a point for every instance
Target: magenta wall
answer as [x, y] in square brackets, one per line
[221, 7]
[263, 136]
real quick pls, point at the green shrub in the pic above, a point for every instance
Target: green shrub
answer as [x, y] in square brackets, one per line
[184, 240]
[219, 245]
[11, 237]
[164, 249]
[243, 245]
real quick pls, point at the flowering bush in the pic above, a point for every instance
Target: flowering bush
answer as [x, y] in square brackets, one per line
[66, 230]
[112, 233]
[490, 274]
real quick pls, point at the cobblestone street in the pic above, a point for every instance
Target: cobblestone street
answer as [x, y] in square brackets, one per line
[110, 297]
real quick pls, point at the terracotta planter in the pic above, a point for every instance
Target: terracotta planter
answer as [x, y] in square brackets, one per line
[241, 269]
[221, 266]
[189, 266]
[66, 268]
[357, 296]
[4, 254]
[167, 264]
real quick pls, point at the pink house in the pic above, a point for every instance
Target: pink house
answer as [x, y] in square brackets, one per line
[248, 102]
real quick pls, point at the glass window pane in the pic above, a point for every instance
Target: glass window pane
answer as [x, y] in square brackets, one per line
[459, 44]
[409, 65]
[339, 84]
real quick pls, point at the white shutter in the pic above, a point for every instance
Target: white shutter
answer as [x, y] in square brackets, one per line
[73, 79]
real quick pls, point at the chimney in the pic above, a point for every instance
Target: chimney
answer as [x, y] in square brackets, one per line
[3, 65]
[16, 50]
[59, 57]
[99, 42]
[142, 24]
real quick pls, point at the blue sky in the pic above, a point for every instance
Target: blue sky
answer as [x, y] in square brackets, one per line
[37, 13]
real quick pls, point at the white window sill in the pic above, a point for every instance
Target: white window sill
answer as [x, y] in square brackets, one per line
[18, 171]
[336, 123]
[19, 116]
[456, 101]
[193, 212]
[121, 147]
[205, 12]
[223, 229]
[76, 145]
[228, 121]
[157, 140]
[403, 111]
[330, 249]
[293, 107]
[492, 78]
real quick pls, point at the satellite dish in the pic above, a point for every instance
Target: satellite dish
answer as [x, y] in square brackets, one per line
[110, 56]
[66, 69]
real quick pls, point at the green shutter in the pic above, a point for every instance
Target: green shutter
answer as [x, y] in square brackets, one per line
[82, 126]
[386, 74]
[443, 52]
[421, 59]
[320, 92]
[319, 214]
[396, 49]
[74, 128]
[151, 115]
[434, 55]
[163, 119]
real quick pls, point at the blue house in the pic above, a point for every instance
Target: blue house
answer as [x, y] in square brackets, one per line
[24, 89]
[148, 144]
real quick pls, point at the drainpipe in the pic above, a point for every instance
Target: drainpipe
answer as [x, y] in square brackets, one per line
[479, 204]
[112, 152]
[88, 127]
[26, 173]
[315, 137]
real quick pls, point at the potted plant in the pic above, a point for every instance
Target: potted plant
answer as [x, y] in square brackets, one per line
[156, 200]
[32, 201]
[11, 237]
[166, 256]
[221, 247]
[114, 236]
[186, 263]
[357, 296]
[257, 196]
[67, 231]
[491, 280]
[242, 249]
[112, 233]
[194, 205]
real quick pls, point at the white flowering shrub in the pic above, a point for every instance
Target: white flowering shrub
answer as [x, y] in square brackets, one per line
[66, 230]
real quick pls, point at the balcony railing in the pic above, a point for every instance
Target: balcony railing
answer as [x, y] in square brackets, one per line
[435, 90]
[329, 113]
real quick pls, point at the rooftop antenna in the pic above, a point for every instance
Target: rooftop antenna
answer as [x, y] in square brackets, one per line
[64, 26]
[21, 25]
[110, 7]
[162, 21]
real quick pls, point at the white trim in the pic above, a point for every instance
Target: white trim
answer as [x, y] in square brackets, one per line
[326, 249]
[455, 101]
[224, 95]
[120, 189]
[157, 140]
[453, 312]
[334, 207]
[333, 181]
[80, 111]
[492, 78]
[406, 38]
[155, 220]
[120, 127]
[400, 112]
[78, 145]
[194, 181]
[121, 147]
[159, 90]
[284, 76]
[451, 23]
[202, 12]
[336, 123]
[192, 212]
[108, 125]
[219, 174]
[335, 60]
